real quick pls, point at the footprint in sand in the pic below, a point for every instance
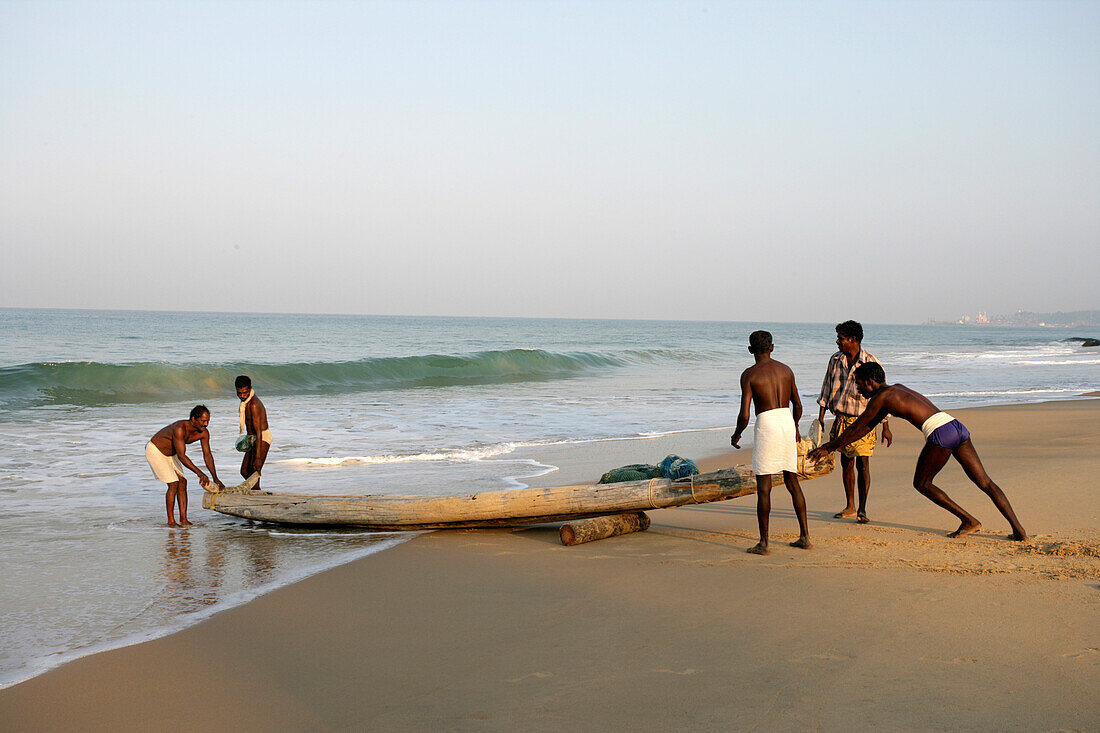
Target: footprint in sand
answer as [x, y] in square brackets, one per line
[536, 675]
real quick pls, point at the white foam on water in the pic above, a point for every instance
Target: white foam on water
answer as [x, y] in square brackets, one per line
[473, 454]
[1000, 392]
[515, 482]
[1058, 362]
[650, 436]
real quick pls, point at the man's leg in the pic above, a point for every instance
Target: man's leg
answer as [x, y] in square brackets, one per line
[803, 541]
[763, 509]
[848, 476]
[931, 460]
[246, 463]
[259, 458]
[170, 502]
[863, 483]
[181, 499]
[975, 471]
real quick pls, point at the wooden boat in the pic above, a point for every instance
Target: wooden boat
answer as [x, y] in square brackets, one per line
[493, 508]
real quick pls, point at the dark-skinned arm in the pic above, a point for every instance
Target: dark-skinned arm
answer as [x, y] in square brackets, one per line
[863, 425]
[887, 435]
[259, 424]
[181, 452]
[796, 401]
[746, 405]
[208, 459]
[822, 398]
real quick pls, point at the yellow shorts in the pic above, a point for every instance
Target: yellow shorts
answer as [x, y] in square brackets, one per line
[865, 446]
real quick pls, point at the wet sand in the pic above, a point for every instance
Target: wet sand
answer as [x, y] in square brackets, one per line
[887, 625]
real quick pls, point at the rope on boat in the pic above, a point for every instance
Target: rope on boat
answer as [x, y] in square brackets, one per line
[652, 503]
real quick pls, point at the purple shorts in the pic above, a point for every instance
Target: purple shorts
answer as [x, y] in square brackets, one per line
[949, 436]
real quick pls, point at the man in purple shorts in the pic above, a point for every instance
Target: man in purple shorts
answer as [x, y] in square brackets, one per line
[944, 437]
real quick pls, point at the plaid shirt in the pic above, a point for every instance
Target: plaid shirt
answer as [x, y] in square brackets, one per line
[838, 392]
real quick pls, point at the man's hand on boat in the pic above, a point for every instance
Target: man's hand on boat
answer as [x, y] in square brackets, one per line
[208, 485]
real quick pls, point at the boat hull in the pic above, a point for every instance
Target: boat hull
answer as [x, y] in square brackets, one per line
[492, 509]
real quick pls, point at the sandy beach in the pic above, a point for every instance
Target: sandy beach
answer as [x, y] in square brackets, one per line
[889, 625]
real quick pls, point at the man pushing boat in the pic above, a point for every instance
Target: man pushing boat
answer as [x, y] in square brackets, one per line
[944, 437]
[769, 386]
[167, 454]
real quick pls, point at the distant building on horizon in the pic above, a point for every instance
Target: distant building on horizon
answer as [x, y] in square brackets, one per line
[1060, 319]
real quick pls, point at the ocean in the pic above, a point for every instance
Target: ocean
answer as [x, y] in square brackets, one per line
[363, 404]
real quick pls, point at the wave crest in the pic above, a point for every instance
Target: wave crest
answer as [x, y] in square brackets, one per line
[86, 383]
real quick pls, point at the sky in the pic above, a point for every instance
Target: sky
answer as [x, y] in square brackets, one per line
[889, 162]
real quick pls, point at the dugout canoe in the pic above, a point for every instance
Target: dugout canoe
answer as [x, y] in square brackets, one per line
[515, 507]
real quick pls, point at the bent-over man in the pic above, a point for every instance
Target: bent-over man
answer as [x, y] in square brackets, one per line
[944, 437]
[253, 420]
[769, 386]
[840, 396]
[167, 455]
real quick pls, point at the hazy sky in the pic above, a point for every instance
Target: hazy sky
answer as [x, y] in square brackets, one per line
[888, 162]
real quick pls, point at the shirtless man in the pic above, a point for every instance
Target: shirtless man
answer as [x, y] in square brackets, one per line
[253, 420]
[769, 387]
[166, 451]
[944, 437]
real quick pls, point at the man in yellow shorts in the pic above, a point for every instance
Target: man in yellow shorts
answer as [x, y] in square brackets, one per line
[841, 397]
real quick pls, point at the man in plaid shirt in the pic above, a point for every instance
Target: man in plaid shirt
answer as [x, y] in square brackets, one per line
[841, 397]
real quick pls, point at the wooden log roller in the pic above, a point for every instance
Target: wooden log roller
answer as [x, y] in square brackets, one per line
[599, 528]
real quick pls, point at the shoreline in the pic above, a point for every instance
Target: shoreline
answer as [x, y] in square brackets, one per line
[706, 525]
[577, 462]
[56, 660]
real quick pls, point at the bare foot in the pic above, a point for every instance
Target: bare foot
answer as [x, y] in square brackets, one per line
[185, 523]
[845, 513]
[758, 549]
[861, 517]
[803, 542]
[1020, 536]
[172, 523]
[966, 528]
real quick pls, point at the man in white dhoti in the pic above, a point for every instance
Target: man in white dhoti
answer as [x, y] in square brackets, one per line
[769, 386]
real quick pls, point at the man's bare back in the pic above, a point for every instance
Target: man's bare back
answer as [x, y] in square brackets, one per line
[766, 385]
[899, 400]
[771, 384]
[165, 437]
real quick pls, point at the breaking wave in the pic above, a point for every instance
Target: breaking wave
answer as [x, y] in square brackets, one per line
[85, 383]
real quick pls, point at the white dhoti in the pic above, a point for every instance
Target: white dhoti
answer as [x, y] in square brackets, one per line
[166, 468]
[775, 448]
